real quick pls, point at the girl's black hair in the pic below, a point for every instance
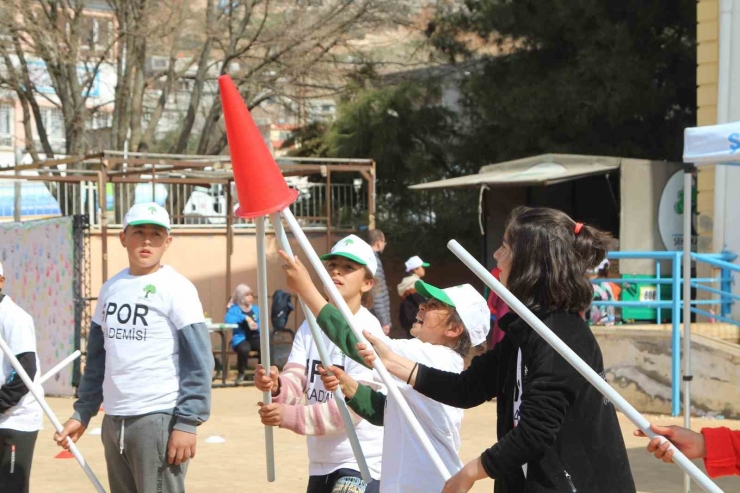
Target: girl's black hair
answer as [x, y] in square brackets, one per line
[550, 261]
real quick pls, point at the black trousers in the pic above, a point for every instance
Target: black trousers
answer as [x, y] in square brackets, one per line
[341, 481]
[251, 343]
[16, 455]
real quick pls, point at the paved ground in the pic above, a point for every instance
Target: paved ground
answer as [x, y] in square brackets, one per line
[238, 464]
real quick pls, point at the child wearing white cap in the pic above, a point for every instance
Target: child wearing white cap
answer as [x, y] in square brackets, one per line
[20, 413]
[332, 465]
[149, 357]
[410, 299]
[448, 324]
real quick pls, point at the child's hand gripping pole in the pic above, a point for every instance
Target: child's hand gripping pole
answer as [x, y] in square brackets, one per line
[264, 336]
[35, 391]
[318, 338]
[571, 357]
[377, 364]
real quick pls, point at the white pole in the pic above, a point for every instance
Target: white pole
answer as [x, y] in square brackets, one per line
[265, 336]
[50, 414]
[723, 111]
[46, 376]
[377, 364]
[571, 357]
[59, 366]
[687, 212]
[318, 338]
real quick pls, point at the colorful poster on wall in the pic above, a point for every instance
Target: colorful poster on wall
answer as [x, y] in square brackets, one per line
[38, 260]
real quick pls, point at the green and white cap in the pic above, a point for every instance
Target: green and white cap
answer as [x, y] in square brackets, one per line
[415, 262]
[468, 302]
[357, 250]
[147, 213]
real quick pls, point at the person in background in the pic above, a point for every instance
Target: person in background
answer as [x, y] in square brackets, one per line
[603, 291]
[498, 309]
[410, 299]
[381, 298]
[20, 413]
[246, 338]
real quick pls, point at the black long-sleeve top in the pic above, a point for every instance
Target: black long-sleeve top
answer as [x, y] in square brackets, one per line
[568, 434]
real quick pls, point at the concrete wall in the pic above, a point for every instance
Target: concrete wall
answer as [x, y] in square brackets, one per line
[638, 364]
[642, 184]
[201, 257]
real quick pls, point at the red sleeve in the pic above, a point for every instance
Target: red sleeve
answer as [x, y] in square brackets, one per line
[723, 451]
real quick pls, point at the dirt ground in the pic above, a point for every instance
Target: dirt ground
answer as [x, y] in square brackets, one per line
[238, 465]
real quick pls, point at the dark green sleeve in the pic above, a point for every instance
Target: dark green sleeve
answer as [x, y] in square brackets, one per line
[369, 404]
[337, 329]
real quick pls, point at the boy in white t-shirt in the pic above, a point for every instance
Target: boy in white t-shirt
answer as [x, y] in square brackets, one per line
[332, 464]
[149, 359]
[448, 324]
[20, 414]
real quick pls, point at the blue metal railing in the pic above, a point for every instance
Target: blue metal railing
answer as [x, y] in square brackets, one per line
[721, 261]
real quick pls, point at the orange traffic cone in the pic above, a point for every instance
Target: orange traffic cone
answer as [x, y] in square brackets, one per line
[64, 454]
[259, 184]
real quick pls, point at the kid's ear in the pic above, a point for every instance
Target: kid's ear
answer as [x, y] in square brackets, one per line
[367, 285]
[455, 330]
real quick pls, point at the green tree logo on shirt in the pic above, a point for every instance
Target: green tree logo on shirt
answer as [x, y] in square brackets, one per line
[149, 289]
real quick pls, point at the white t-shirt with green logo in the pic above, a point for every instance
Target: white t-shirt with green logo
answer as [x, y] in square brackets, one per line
[140, 317]
[327, 453]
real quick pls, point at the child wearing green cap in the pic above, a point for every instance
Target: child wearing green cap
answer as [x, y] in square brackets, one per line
[149, 356]
[448, 324]
[332, 465]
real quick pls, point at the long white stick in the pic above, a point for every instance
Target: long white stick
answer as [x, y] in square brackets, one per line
[377, 364]
[687, 216]
[571, 357]
[318, 338]
[59, 366]
[35, 391]
[264, 336]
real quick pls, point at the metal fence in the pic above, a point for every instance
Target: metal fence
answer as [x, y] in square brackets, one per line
[189, 205]
[725, 298]
[82, 286]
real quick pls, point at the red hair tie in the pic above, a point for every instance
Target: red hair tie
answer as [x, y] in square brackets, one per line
[578, 228]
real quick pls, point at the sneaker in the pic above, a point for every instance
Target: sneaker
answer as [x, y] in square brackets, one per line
[239, 379]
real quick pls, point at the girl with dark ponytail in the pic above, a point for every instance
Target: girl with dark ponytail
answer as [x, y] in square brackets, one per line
[556, 433]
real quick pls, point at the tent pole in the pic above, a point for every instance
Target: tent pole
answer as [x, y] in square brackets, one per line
[687, 237]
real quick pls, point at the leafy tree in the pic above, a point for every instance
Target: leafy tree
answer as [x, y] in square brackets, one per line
[412, 139]
[575, 76]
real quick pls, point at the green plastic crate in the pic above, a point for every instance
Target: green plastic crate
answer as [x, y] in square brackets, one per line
[641, 291]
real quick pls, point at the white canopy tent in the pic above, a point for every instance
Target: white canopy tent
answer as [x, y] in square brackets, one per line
[715, 144]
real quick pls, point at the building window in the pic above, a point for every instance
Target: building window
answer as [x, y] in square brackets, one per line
[100, 120]
[53, 121]
[6, 125]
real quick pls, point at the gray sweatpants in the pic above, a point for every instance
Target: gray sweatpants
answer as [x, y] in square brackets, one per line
[136, 455]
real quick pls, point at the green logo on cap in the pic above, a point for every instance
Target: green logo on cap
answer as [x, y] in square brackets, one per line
[153, 210]
[149, 289]
[349, 241]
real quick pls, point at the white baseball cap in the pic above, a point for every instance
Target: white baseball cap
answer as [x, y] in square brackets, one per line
[356, 249]
[468, 302]
[415, 262]
[147, 213]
